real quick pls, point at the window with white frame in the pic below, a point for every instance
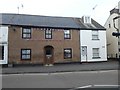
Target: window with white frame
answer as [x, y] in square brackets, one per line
[26, 54]
[67, 34]
[48, 33]
[26, 33]
[67, 53]
[1, 52]
[96, 53]
[95, 35]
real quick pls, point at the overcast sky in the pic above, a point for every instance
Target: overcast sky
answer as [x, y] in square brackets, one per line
[65, 8]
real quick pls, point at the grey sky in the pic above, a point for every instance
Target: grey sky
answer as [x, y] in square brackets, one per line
[65, 8]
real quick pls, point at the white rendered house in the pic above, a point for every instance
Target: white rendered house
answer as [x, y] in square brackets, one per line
[3, 45]
[92, 41]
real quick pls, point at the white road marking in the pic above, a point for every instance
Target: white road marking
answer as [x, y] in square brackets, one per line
[106, 85]
[108, 71]
[32, 74]
[77, 72]
[88, 86]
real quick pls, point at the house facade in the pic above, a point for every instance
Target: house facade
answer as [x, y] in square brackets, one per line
[33, 39]
[92, 41]
[112, 41]
[3, 44]
[42, 40]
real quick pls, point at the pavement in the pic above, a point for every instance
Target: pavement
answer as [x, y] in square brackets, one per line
[72, 67]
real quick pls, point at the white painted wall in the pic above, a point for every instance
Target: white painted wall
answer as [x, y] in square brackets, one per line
[86, 40]
[4, 42]
[112, 41]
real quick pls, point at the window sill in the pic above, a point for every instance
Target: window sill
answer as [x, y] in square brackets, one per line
[26, 59]
[95, 39]
[96, 57]
[67, 38]
[26, 38]
[68, 58]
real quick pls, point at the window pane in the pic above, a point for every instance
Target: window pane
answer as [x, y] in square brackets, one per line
[28, 51]
[49, 36]
[95, 37]
[24, 52]
[26, 30]
[66, 32]
[27, 56]
[24, 35]
[67, 36]
[23, 56]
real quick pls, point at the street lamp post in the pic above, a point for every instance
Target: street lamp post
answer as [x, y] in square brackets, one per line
[117, 34]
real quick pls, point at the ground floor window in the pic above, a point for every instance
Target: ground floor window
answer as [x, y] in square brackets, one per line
[96, 53]
[1, 52]
[26, 54]
[67, 53]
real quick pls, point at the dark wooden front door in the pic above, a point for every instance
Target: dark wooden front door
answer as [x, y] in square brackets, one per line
[48, 55]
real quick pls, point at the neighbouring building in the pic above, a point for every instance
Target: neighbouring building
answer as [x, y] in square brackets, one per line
[112, 41]
[33, 39]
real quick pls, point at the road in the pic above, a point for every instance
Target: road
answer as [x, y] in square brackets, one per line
[61, 80]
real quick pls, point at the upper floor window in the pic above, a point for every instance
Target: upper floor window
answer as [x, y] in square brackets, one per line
[95, 35]
[67, 34]
[48, 34]
[25, 54]
[26, 33]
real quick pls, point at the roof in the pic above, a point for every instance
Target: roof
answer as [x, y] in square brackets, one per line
[47, 21]
[88, 26]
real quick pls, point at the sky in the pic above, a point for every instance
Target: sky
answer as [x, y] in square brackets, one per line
[97, 9]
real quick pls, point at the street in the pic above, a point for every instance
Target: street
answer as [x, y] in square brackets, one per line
[61, 80]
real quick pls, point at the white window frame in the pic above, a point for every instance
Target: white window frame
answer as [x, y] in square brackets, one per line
[67, 53]
[96, 52]
[26, 33]
[67, 34]
[48, 33]
[25, 54]
[95, 35]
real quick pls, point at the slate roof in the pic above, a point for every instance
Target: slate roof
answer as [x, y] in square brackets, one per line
[88, 26]
[47, 21]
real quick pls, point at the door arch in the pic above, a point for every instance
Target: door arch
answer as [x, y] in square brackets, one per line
[48, 55]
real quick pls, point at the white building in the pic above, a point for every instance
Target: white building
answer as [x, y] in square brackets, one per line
[3, 44]
[92, 41]
[112, 41]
